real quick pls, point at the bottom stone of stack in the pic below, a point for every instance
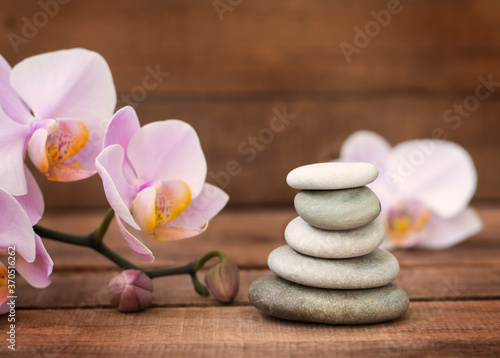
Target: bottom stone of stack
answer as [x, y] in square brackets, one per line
[280, 298]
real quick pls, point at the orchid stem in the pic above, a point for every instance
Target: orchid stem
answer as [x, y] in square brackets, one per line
[94, 240]
[199, 287]
[168, 271]
[103, 227]
[116, 258]
[74, 239]
[203, 260]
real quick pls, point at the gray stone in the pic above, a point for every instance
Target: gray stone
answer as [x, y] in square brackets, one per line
[282, 299]
[328, 176]
[342, 244]
[337, 209]
[376, 269]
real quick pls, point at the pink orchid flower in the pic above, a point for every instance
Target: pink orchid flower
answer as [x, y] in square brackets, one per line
[32, 261]
[424, 187]
[55, 106]
[154, 179]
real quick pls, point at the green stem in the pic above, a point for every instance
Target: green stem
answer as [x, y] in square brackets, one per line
[94, 241]
[74, 239]
[103, 228]
[114, 257]
[168, 271]
[199, 287]
[203, 260]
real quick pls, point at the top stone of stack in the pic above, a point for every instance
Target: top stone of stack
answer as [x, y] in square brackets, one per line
[332, 176]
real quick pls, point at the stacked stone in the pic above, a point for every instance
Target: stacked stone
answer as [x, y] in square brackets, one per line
[332, 270]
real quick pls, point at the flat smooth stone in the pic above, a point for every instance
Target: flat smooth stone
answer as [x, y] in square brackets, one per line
[328, 176]
[282, 299]
[376, 269]
[327, 244]
[337, 209]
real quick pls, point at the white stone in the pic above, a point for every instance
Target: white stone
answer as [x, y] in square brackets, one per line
[339, 244]
[331, 176]
[376, 269]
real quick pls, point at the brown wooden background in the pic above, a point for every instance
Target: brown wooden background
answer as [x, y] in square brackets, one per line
[227, 76]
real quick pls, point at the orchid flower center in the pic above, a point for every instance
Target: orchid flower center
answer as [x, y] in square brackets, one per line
[4, 291]
[52, 148]
[406, 222]
[157, 205]
[171, 200]
[66, 140]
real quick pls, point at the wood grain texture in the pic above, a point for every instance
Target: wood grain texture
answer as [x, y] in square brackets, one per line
[454, 310]
[227, 76]
[315, 134]
[429, 328]
[247, 237]
[272, 47]
[420, 283]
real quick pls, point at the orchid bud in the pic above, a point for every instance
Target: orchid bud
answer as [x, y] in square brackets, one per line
[131, 291]
[223, 281]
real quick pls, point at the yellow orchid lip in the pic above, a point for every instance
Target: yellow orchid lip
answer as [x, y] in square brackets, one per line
[51, 148]
[402, 223]
[157, 205]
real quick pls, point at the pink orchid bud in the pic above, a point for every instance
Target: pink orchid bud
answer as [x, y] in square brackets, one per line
[131, 291]
[223, 281]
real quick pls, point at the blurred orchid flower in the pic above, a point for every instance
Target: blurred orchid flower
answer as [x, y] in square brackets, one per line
[424, 187]
[55, 106]
[154, 179]
[19, 214]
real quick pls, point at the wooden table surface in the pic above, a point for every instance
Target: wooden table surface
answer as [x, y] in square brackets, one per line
[454, 310]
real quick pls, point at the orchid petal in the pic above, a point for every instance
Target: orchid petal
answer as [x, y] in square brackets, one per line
[143, 209]
[12, 104]
[386, 244]
[173, 152]
[122, 127]
[203, 208]
[171, 233]
[439, 174]
[366, 146]
[16, 227]
[13, 140]
[73, 83]
[118, 191]
[37, 151]
[132, 237]
[32, 201]
[67, 172]
[37, 272]
[444, 233]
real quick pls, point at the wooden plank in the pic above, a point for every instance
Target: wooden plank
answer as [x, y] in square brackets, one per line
[295, 46]
[89, 289]
[469, 328]
[321, 125]
[226, 77]
[248, 236]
